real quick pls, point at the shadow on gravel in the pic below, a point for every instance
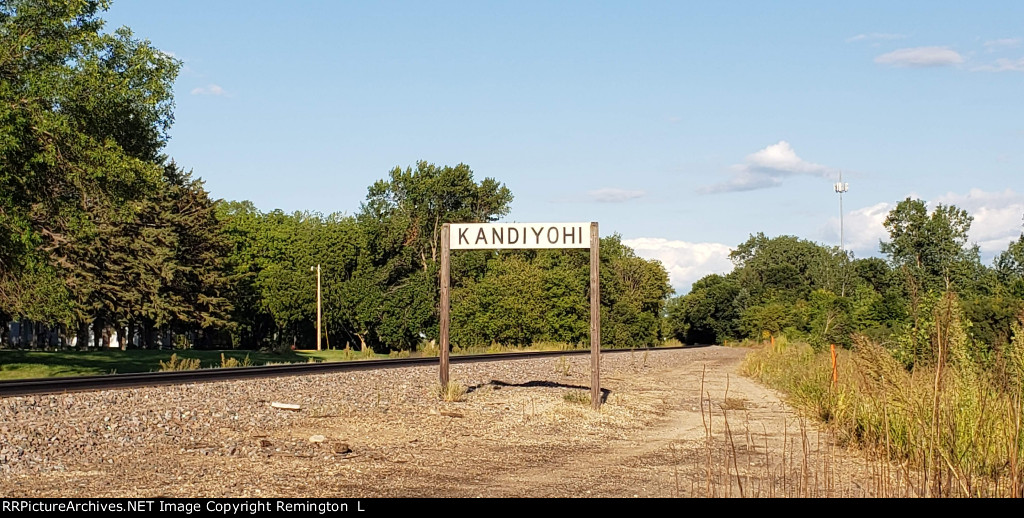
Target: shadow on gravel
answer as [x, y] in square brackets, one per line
[697, 346]
[497, 384]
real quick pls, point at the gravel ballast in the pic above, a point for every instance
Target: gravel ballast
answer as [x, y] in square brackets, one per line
[524, 428]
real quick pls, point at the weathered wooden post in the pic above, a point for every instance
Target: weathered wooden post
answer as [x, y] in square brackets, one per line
[445, 301]
[595, 317]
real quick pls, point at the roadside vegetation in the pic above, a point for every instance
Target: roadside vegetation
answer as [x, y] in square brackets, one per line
[928, 344]
[953, 425]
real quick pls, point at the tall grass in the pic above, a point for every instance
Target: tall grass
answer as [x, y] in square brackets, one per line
[453, 392]
[228, 363]
[739, 460]
[953, 423]
[347, 354]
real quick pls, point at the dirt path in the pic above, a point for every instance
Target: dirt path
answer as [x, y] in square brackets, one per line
[520, 432]
[671, 456]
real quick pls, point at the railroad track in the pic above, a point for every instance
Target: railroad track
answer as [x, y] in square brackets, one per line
[149, 379]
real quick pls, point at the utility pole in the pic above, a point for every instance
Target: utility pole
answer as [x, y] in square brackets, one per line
[311, 268]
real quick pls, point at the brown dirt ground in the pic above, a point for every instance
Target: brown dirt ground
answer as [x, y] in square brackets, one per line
[528, 437]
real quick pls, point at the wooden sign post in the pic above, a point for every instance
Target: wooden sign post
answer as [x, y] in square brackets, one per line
[446, 317]
[483, 236]
[595, 317]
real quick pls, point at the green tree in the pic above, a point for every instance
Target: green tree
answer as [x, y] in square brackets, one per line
[765, 320]
[200, 281]
[787, 268]
[708, 314]
[161, 268]
[506, 307]
[829, 318]
[878, 302]
[414, 203]
[566, 278]
[83, 117]
[1009, 266]
[395, 286]
[931, 248]
[930, 252]
[272, 288]
[633, 294]
[245, 230]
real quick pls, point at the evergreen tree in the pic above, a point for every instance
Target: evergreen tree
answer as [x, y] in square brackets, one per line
[84, 116]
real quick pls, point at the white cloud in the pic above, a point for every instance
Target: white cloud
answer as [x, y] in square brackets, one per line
[997, 221]
[209, 90]
[744, 181]
[613, 195]
[921, 57]
[1002, 65]
[1002, 43]
[863, 228]
[685, 262]
[997, 216]
[767, 168]
[781, 157]
[875, 36]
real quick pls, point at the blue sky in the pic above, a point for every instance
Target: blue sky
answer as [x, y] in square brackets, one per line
[684, 127]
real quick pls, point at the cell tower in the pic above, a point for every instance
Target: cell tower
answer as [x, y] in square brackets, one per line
[840, 188]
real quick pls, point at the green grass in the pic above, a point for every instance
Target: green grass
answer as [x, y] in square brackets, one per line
[577, 397]
[44, 364]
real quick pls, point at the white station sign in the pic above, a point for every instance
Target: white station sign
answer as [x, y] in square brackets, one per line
[477, 236]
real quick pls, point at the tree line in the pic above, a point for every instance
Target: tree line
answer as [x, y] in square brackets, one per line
[380, 272]
[103, 235]
[804, 290]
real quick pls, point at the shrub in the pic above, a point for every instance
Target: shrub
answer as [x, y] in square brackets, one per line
[179, 364]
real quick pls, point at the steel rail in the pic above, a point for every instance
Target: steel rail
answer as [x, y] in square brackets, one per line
[35, 386]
